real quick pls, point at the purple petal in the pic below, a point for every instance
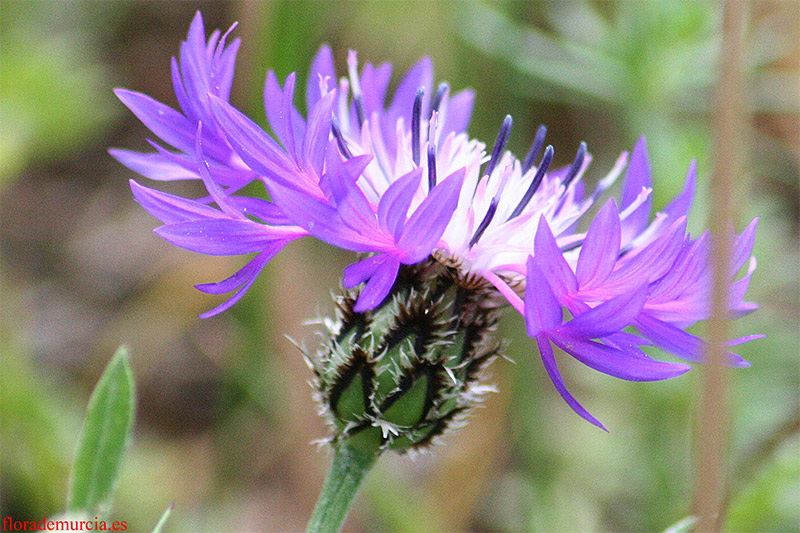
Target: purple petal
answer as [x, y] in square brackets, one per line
[283, 118]
[743, 246]
[679, 342]
[340, 176]
[223, 173]
[254, 146]
[600, 248]
[321, 67]
[459, 112]
[626, 341]
[318, 129]
[742, 340]
[743, 309]
[196, 37]
[294, 125]
[171, 209]
[246, 275]
[224, 70]
[628, 365]
[378, 286]
[500, 284]
[609, 317]
[353, 207]
[549, 360]
[637, 178]
[214, 189]
[225, 237]
[162, 120]
[322, 221]
[273, 105]
[184, 102]
[420, 75]
[394, 204]
[153, 166]
[357, 214]
[679, 207]
[374, 82]
[359, 272]
[426, 226]
[195, 71]
[263, 210]
[552, 263]
[689, 269]
[737, 289]
[542, 310]
[190, 81]
[653, 262]
[381, 271]
[579, 190]
[249, 271]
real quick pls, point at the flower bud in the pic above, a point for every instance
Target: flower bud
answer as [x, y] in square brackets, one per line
[399, 375]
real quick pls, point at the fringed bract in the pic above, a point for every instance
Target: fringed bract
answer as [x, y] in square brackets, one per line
[398, 376]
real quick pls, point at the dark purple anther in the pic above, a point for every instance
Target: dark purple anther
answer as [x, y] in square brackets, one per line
[576, 165]
[536, 147]
[416, 118]
[537, 180]
[499, 145]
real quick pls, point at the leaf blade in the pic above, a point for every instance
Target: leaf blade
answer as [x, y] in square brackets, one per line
[104, 438]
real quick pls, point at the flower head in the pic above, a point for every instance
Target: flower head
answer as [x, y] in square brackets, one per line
[400, 181]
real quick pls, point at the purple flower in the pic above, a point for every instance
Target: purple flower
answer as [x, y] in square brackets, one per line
[400, 181]
[619, 356]
[204, 69]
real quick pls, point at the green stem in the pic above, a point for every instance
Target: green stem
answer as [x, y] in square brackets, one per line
[350, 465]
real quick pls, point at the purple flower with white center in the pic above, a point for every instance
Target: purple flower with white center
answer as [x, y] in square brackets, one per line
[402, 183]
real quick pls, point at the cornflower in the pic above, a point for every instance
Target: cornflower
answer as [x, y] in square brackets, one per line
[449, 236]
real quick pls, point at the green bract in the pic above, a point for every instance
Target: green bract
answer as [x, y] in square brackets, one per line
[399, 375]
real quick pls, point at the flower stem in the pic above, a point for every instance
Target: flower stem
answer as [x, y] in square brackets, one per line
[350, 465]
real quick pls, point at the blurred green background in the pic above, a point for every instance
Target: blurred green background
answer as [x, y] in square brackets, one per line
[225, 417]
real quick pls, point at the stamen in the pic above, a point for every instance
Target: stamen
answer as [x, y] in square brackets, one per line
[359, 105]
[432, 123]
[537, 180]
[499, 145]
[337, 133]
[358, 99]
[437, 99]
[570, 247]
[576, 165]
[487, 219]
[536, 147]
[431, 166]
[416, 118]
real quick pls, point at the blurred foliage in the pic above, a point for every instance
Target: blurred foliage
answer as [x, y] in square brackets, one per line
[49, 78]
[641, 68]
[225, 415]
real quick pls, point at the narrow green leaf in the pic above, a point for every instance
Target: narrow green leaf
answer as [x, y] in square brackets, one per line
[684, 526]
[105, 435]
[164, 518]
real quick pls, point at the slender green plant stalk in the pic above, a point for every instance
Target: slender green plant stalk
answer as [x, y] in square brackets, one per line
[350, 466]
